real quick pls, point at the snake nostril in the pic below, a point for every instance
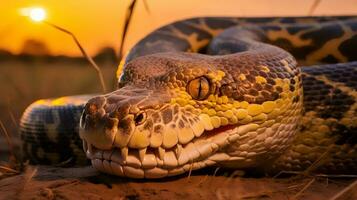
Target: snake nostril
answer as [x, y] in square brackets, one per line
[140, 118]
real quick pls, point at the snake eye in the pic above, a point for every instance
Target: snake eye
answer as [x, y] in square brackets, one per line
[199, 88]
[140, 118]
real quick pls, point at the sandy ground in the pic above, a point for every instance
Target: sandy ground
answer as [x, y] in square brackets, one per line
[43, 182]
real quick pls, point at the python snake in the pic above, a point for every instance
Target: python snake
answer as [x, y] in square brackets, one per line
[215, 91]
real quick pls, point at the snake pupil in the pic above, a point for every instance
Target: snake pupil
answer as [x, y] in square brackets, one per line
[199, 88]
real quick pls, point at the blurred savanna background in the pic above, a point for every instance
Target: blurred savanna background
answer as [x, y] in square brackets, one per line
[38, 61]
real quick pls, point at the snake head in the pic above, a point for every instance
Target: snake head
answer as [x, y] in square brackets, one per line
[178, 112]
[113, 119]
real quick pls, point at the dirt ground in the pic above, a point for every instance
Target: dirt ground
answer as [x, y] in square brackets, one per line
[43, 182]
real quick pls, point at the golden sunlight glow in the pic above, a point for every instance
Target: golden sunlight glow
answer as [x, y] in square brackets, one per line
[36, 14]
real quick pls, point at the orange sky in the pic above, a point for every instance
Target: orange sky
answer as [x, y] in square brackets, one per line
[98, 23]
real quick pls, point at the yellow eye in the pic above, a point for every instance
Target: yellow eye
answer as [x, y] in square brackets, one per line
[199, 88]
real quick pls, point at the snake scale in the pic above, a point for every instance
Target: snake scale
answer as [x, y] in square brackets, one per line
[270, 94]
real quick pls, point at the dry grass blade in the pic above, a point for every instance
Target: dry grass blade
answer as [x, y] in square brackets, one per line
[120, 68]
[9, 142]
[281, 173]
[28, 176]
[84, 53]
[64, 163]
[9, 170]
[146, 5]
[12, 117]
[318, 162]
[316, 175]
[127, 21]
[190, 171]
[202, 180]
[336, 175]
[235, 174]
[345, 190]
[293, 187]
[313, 7]
[129, 14]
[214, 174]
[304, 188]
[215, 171]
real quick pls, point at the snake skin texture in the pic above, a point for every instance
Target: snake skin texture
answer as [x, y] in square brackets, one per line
[215, 92]
[49, 130]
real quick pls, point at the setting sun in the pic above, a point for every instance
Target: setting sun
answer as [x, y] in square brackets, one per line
[36, 14]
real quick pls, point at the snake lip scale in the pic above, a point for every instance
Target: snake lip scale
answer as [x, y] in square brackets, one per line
[154, 164]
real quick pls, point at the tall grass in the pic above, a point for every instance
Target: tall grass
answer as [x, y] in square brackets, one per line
[127, 21]
[314, 6]
[84, 53]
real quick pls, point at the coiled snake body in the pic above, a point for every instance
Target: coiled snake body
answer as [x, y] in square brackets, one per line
[247, 104]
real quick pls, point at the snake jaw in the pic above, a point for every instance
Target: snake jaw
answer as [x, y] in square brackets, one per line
[159, 162]
[156, 162]
[194, 142]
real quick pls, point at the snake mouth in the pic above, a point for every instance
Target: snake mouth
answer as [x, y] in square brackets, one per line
[159, 162]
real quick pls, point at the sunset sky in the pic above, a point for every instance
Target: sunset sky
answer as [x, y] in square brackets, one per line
[98, 23]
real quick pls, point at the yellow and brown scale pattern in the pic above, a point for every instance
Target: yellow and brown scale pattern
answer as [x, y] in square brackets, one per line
[49, 130]
[327, 141]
